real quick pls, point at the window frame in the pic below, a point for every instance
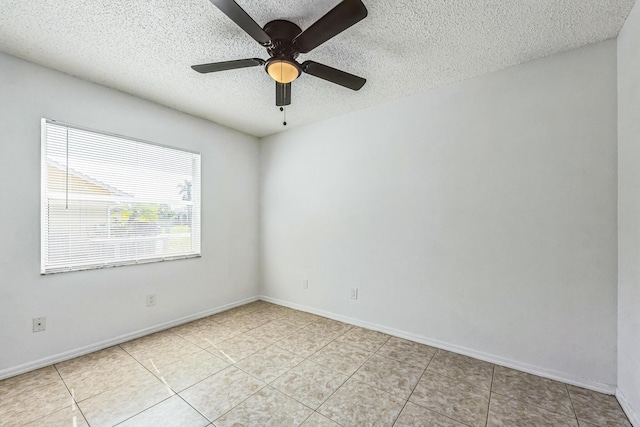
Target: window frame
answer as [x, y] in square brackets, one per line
[196, 214]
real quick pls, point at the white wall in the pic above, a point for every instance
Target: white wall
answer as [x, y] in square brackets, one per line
[84, 309]
[629, 215]
[479, 216]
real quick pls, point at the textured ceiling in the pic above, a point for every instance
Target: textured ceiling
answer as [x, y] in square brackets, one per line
[403, 47]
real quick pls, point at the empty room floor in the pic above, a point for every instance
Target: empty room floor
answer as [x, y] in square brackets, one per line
[261, 364]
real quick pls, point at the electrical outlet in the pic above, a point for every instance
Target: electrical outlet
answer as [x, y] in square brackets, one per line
[151, 300]
[305, 284]
[39, 324]
[354, 293]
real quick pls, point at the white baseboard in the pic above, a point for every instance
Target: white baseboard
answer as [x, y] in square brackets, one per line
[546, 373]
[60, 357]
[626, 407]
[535, 370]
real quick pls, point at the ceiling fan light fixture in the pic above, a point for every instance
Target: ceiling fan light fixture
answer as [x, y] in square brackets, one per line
[283, 71]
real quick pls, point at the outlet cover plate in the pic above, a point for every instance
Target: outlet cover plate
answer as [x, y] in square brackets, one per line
[39, 324]
[151, 300]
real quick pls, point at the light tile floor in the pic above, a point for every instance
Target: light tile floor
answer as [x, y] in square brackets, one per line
[266, 365]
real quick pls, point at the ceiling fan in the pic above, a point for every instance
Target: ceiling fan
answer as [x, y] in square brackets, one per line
[284, 41]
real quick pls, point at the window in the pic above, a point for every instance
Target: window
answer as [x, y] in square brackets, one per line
[109, 200]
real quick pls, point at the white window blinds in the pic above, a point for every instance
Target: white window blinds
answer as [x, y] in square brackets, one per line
[108, 200]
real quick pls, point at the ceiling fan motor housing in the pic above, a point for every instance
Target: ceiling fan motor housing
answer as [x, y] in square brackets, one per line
[282, 47]
[282, 34]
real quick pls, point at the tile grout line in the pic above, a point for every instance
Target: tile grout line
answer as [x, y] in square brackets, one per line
[575, 413]
[447, 375]
[73, 398]
[266, 384]
[374, 353]
[148, 370]
[125, 382]
[144, 410]
[359, 367]
[414, 388]
[432, 410]
[305, 359]
[493, 374]
[308, 358]
[533, 404]
[217, 372]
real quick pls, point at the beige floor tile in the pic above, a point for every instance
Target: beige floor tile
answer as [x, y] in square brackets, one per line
[204, 322]
[125, 401]
[257, 305]
[67, 417]
[310, 383]
[190, 370]
[328, 327]
[545, 393]
[408, 352]
[365, 339]
[193, 359]
[597, 408]
[506, 412]
[103, 359]
[416, 416]
[173, 412]
[100, 379]
[457, 400]
[341, 357]
[267, 314]
[299, 318]
[272, 331]
[268, 407]
[35, 403]
[207, 336]
[317, 420]
[320, 330]
[230, 315]
[358, 404]
[253, 319]
[276, 310]
[303, 343]
[244, 308]
[192, 327]
[247, 322]
[389, 375]
[269, 363]
[462, 368]
[219, 393]
[297, 322]
[237, 348]
[149, 341]
[154, 358]
[30, 380]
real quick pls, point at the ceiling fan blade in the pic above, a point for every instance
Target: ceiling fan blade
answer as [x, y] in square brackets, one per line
[283, 94]
[227, 65]
[243, 20]
[333, 75]
[338, 19]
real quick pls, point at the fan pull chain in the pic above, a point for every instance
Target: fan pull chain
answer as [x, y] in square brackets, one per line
[284, 112]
